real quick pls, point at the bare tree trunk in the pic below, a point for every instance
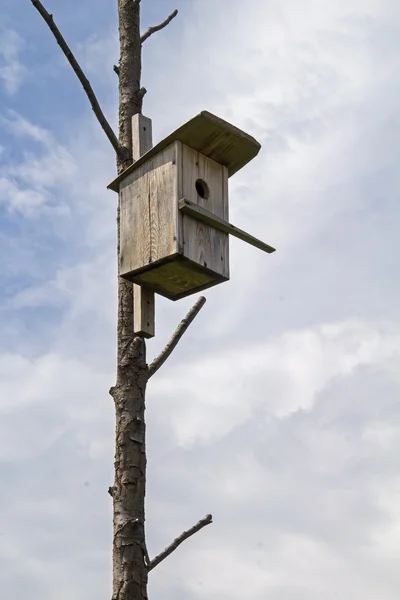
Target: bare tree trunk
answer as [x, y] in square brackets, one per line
[130, 68]
[129, 562]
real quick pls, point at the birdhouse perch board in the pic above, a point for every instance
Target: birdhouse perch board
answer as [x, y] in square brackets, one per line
[174, 209]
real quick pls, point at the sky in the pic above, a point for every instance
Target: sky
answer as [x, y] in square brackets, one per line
[279, 411]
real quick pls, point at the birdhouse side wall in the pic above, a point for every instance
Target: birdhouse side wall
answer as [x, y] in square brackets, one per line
[149, 212]
[202, 243]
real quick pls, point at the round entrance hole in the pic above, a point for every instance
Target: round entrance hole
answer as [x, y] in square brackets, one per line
[202, 189]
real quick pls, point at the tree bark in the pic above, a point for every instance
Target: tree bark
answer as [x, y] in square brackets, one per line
[130, 68]
[131, 562]
[129, 548]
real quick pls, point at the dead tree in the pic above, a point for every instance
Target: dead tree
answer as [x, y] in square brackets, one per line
[131, 562]
[177, 194]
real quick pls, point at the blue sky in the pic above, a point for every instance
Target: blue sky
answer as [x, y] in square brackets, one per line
[279, 412]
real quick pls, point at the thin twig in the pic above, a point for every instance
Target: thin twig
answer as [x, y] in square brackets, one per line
[120, 150]
[184, 536]
[176, 336]
[155, 28]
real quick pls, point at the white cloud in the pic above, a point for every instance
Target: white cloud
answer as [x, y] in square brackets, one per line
[12, 71]
[278, 411]
[19, 198]
[281, 477]
[27, 185]
[209, 398]
[23, 128]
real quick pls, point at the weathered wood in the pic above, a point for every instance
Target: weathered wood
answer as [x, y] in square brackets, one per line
[176, 336]
[143, 311]
[176, 251]
[163, 204]
[130, 572]
[156, 28]
[143, 299]
[162, 249]
[213, 137]
[142, 135]
[150, 207]
[178, 541]
[177, 278]
[203, 244]
[201, 214]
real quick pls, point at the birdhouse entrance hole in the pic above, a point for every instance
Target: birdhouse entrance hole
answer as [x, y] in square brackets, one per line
[202, 189]
[174, 229]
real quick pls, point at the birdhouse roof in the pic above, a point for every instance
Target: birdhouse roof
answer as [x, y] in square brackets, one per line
[215, 138]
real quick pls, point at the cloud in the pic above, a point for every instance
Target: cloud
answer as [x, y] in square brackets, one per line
[12, 71]
[301, 474]
[26, 185]
[278, 411]
[293, 369]
[21, 127]
[307, 496]
[19, 198]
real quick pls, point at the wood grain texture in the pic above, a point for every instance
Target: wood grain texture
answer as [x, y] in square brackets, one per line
[213, 137]
[149, 212]
[201, 214]
[144, 309]
[129, 487]
[135, 221]
[156, 236]
[163, 199]
[178, 278]
[142, 135]
[203, 244]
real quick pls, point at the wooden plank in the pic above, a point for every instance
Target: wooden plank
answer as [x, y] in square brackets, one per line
[163, 200]
[196, 236]
[143, 311]
[197, 212]
[142, 136]
[213, 174]
[225, 195]
[143, 299]
[179, 278]
[208, 134]
[204, 244]
[135, 250]
[149, 207]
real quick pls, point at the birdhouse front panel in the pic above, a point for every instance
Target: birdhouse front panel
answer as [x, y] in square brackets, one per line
[174, 228]
[205, 183]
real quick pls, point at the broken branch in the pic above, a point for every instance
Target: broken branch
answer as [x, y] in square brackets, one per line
[184, 536]
[121, 152]
[155, 28]
[176, 336]
[141, 93]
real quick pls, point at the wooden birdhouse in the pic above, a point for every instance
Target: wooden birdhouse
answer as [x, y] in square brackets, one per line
[174, 228]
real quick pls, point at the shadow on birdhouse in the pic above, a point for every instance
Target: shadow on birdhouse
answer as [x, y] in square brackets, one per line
[174, 208]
